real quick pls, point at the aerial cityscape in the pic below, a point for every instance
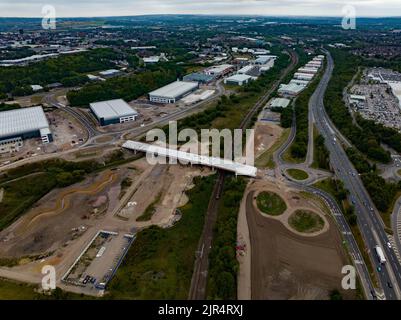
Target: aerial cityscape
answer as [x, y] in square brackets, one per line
[204, 155]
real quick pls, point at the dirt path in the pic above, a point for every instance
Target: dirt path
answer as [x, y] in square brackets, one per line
[63, 201]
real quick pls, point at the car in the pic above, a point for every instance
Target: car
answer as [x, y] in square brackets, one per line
[389, 285]
[389, 245]
[86, 280]
[92, 280]
[379, 269]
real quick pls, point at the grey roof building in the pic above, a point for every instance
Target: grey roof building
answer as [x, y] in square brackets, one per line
[25, 123]
[113, 111]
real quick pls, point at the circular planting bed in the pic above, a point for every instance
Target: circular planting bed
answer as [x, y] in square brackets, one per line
[306, 221]
[270, 203]
[297, 174]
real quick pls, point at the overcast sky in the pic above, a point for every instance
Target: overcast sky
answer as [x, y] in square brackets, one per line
[90, 8]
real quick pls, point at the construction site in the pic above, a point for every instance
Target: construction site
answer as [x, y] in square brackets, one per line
[278, 262]
[85, 230]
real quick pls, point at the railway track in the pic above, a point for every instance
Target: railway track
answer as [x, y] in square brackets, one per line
[197, 290]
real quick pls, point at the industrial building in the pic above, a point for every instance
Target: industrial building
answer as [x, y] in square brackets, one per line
[300, 82]
[264, 59]
[250, 70]
[173, 92]
[110, 73]
[312, 71]
[291, 89]
[280, 103]
[198, 77]
[303, 76]
[113, 111]
[220, 70]
[24, 123]
[238, 79]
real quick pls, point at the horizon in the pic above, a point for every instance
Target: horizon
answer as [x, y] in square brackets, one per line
[262, 8]
[205, 15]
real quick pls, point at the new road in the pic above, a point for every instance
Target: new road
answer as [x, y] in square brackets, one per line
[369, 221]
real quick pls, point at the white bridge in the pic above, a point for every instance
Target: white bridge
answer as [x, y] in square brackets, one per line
[193, 158]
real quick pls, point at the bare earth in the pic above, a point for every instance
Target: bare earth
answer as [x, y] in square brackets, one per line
[285, 265]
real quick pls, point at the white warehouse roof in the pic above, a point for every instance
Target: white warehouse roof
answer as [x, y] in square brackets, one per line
[20, 121]
[229, 165]
[280, 103]
[175, 89]
[112, 109]
[239, 78]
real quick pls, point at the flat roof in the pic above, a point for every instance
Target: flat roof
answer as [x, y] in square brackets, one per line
[23, 120]
[291, 87]
[280, 103]
[239, 78]
[112, 109]
[220, 68]
[174, 89]
[225, 164]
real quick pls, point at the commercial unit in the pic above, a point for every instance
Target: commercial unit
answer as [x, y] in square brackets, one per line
[173, 92]
[113, 111]
[238, 79]
[280, 103]
[250, 70]
[220, 70]
[300, 82]
[264, 59]
[291, 89]
[25, 123]
[110, 73]
[198, 77]
[303, 76]
[312, 71]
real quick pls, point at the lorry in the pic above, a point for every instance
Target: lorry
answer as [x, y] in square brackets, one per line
[380, 254]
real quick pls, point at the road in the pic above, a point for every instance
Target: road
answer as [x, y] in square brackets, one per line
[369, 222]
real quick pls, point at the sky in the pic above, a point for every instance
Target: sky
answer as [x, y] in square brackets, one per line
[91, 8]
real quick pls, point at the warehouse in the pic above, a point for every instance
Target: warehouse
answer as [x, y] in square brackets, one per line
[303, 76]
[300, 82]
[173, 92]
[264, 59]
[238, 79]
[113, 111]
[110, 73]
[291, 89]
[198, 77]
[279, 103]
[308, 70]
[25, 123]
[220, 70]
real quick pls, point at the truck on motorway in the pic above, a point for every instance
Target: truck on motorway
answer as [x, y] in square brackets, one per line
[380, 254]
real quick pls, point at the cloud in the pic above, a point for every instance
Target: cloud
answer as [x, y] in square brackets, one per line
[78, 8]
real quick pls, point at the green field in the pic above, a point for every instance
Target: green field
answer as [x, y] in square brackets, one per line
[306, 221]
[271, 203]
[160, 263]
[13, 290]
[297, 174]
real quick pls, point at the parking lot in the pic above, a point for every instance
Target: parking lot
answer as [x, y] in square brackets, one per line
[99, 261]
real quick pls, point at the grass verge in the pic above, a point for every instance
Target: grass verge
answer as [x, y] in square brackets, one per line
[270, 203]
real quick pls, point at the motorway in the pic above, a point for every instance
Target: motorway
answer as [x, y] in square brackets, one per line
[369, 221]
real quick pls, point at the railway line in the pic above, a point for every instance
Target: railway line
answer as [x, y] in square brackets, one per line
[200, 275]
